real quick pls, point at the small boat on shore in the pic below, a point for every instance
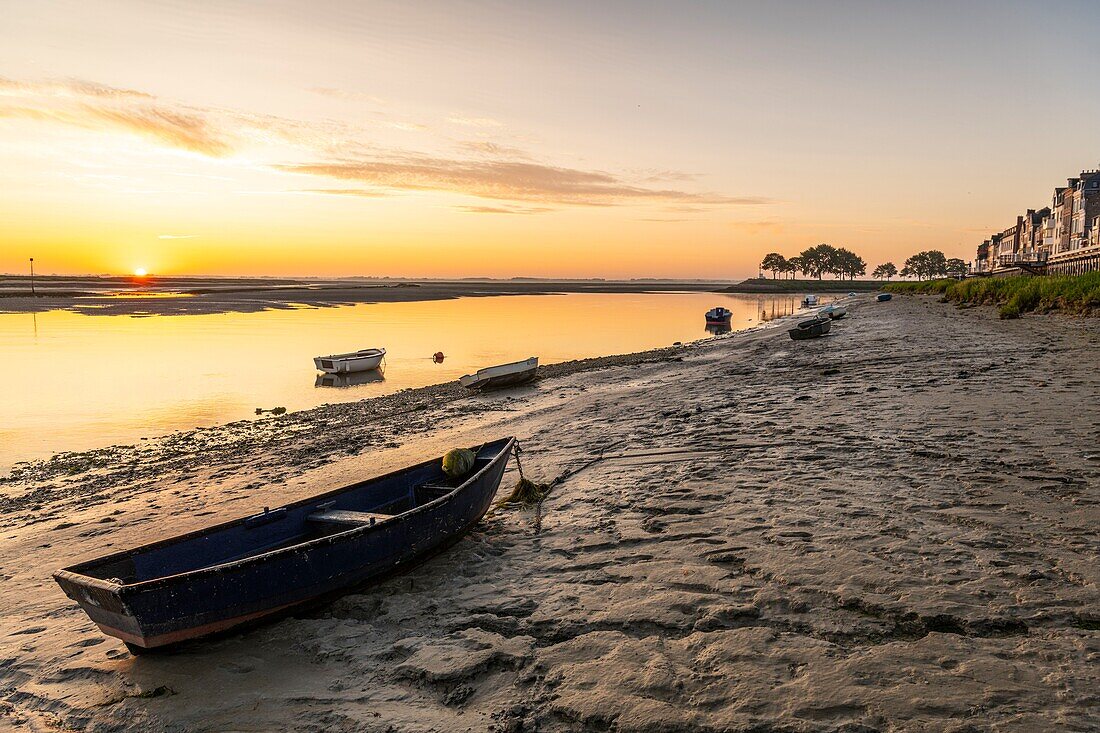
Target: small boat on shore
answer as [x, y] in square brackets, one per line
[811, 329]
[719, 314]
[503, 375]
[356, 361]
[283, 559]
[883, 297]
[810, 301]
[835, 312]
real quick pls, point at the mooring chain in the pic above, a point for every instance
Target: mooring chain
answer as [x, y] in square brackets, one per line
[515, 452]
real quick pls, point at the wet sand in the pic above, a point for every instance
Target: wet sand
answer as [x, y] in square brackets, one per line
[889, 529]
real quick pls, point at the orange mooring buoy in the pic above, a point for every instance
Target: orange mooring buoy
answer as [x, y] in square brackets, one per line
[438, 357]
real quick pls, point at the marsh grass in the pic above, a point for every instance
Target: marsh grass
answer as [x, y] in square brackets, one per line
[1016, 295]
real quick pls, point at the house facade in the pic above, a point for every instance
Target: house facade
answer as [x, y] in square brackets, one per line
[1063, 238]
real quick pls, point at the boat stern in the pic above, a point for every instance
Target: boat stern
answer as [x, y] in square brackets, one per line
[105, 604]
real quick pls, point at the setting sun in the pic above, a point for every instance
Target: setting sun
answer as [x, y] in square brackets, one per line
[140, 272]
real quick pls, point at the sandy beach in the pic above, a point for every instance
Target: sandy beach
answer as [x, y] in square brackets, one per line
[889, 529]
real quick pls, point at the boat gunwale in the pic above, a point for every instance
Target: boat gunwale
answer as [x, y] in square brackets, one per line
[72, 573]
[353, 355]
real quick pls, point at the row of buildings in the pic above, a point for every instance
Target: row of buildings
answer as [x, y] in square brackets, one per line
[1060, 239]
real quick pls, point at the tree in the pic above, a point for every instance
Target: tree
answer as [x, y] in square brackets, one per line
[955, 267]
[775, 262]
[885, 271]
[794, 264]
[848, 264]
[818, 260]
[930, 264]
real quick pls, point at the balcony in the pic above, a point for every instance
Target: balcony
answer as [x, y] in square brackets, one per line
[1077, 248]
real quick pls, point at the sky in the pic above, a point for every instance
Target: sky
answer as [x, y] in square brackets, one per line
[552, 139]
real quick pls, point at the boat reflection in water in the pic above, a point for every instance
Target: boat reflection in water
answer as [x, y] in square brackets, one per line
[719, 328]
[350, 379]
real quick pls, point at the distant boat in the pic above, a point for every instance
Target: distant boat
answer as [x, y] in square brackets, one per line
[719, 314]
[836, 312]
[503, 375]
[282, 559]
[811, 329]
[809, 301]
[883, 297]
[356, 361]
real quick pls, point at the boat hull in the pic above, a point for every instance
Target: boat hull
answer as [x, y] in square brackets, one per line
[504, 380]
[811, 329]
[503, 375]
[883, 297]
[209, 600]
[349, 363]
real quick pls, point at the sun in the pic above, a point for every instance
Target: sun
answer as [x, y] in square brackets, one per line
[140, 272]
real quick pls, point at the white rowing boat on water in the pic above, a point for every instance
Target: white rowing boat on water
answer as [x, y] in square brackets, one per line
[503, 375]
[356, 361]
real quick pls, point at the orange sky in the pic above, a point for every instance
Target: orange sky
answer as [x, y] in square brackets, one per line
[501, 139]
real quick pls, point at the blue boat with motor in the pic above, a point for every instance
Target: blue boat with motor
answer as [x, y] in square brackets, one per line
[283, 559]
[719, 315]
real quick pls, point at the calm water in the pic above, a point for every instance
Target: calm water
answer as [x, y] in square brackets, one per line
[75, 382]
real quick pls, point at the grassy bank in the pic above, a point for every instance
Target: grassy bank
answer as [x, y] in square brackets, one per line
[780, 285]
[1016, 295]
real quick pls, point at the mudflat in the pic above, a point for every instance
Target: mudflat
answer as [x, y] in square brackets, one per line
[892, 528]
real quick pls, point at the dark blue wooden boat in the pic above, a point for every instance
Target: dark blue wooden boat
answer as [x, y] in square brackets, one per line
[284, 558]
[883, 297]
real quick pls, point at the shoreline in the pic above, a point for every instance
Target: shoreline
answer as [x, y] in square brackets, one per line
[860, 532]
[414, 398]
[179, 296]
[779, 286]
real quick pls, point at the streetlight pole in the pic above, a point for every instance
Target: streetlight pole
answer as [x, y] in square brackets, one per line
[32, 278]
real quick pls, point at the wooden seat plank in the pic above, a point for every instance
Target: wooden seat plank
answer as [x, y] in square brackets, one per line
[341, 516]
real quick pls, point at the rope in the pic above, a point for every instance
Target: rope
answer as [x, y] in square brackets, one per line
[540, 492]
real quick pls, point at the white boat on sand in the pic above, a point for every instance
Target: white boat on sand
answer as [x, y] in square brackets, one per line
[503, 375]
[356, 361]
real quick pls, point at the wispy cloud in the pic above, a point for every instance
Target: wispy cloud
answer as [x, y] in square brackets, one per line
[334, 93]
[506, 180]
[97, 107]
[345, 152]
[484, 147]
[67, 88]
[757, 227]
[361, 192]
[176, 236]
[504, 209]
[482, 122]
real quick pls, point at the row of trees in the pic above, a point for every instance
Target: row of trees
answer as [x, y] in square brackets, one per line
[817, 261]
[823, 258]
